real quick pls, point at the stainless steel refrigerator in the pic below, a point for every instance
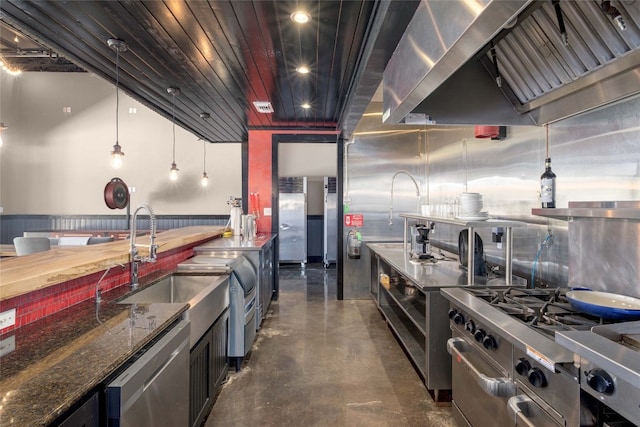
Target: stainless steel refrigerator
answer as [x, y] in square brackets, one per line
[292, 212]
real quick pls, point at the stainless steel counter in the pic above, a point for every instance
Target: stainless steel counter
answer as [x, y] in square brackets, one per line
[235, 243]
[427, 275]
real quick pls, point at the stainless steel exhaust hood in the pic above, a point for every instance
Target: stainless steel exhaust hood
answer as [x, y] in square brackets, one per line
[444, 69]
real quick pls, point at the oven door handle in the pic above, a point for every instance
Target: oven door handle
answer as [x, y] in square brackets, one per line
[518, 410]
[500, 387]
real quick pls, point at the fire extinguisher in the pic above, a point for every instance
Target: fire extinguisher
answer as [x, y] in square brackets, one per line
[354, 241]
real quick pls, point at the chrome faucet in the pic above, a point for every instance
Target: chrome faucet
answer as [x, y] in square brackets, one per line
[153, 248]
[98, 293]
[392, 180]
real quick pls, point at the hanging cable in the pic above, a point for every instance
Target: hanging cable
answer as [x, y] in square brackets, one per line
[173, 172]
[545, 244]
[547, 141]
[117, 154]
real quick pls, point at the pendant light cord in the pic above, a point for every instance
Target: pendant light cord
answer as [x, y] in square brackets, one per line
[117, 93]
[204, 162]
[173, 119]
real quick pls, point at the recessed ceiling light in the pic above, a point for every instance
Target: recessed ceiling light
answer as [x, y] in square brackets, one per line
[303, 69]
[306, 105]
[300, 17]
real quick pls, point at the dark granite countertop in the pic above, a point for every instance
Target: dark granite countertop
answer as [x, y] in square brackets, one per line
[60, 358]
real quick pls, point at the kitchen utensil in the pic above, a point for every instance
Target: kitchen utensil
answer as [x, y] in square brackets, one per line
[605, 304]
[116, 194]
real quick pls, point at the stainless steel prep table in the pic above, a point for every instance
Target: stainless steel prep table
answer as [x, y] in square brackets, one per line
[415, 309]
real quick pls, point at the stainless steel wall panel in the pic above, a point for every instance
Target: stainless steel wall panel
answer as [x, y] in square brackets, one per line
[596, 156]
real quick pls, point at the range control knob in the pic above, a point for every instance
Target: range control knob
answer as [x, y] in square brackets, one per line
[600, 381]
[537, 378]
[470, 326]
[479, 334]
[523, 366]
[452, 313]
[458, 319]
[489, 342]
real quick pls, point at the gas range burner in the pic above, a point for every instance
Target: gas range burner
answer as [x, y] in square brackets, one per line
[547, 310]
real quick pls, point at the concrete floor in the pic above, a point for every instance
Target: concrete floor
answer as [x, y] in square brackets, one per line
[322, 362]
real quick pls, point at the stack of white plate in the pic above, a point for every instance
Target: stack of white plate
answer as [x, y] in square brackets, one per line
[471, 207]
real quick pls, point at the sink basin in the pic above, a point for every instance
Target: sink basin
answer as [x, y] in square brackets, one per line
[207, 296]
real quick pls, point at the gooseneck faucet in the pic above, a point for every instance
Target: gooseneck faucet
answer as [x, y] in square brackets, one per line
[392, 180]
[153, 248]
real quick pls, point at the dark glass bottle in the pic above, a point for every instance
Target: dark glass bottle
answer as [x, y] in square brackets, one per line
[548, 186]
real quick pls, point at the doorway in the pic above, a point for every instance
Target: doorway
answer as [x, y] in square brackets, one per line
[303, 155]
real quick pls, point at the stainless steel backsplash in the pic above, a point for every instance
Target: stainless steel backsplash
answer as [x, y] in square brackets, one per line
[596, 156]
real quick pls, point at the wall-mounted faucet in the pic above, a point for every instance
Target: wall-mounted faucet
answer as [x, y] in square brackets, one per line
[153, 248]
[392, 180]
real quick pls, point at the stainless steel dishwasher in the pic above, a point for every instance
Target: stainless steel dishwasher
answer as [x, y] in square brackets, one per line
[154, 389]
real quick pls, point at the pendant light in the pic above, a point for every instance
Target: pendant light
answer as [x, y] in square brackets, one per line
[3, 127]
[204, 181]
[173, 172]
[117, 154]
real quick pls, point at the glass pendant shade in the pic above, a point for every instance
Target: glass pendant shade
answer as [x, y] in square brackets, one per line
[117, 156]
[173, 172]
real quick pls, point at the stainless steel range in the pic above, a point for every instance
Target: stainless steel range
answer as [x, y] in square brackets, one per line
[609, 361]
[503, 349]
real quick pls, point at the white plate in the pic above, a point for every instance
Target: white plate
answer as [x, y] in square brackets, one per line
[480, 216]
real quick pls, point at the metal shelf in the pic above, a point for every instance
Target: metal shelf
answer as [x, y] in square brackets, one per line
[414, 349]
[418, 319]
[567, 214]
[488, 223]
[471, 226]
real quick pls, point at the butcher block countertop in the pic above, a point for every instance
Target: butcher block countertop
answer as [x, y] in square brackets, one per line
[21, 275]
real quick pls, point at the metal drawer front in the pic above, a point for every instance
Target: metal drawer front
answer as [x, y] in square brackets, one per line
[478, 389]
[154, 390]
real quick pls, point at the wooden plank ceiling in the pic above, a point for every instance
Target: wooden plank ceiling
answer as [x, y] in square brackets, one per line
[222, 55]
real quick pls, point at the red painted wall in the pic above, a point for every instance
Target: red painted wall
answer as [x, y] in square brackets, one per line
[259, 176]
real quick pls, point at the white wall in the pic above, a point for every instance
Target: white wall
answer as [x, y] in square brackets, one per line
[313, 160]
[56, 163]
[307, 159]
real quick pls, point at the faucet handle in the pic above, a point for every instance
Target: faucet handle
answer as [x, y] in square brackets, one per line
[153, 252]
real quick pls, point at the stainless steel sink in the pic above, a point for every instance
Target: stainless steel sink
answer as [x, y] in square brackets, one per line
[207, 296]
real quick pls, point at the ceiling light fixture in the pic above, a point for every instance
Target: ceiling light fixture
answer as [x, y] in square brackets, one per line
[173, 172]
[8, 68]
[306, 105]
[117, 154]
[204, 181]
[300, 17]
[3, 127]
[303, 69]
